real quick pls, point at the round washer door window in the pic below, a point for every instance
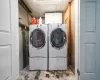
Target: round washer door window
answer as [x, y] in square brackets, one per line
[58, 38]
[37, 38]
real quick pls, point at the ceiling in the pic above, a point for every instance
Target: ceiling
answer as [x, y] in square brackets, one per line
[40, 7]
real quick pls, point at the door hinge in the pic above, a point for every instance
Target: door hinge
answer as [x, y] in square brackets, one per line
[78, 72]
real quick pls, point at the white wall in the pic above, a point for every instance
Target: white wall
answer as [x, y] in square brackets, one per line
[29, 19]
[43, 20]
[24, 16]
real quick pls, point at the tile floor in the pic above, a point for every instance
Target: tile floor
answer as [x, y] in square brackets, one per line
[46, 75]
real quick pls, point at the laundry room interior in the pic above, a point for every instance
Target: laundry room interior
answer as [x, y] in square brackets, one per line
[47, 39]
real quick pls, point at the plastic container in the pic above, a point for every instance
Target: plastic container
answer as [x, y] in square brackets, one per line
[33, 20]
[37, 21]
[40, 20]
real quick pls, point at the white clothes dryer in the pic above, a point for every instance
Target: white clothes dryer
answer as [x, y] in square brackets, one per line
[38, 40]
[57, 47]
[38, 47]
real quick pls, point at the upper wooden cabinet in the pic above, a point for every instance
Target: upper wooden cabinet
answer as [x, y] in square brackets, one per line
[53, 18]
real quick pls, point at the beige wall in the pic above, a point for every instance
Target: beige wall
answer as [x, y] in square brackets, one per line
[72, 35]
[69, 20]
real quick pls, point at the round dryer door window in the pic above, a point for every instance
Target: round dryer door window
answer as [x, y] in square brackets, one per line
[58, 38]
[37, 38]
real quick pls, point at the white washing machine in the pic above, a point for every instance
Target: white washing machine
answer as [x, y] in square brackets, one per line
[57, 47]
[38, 47]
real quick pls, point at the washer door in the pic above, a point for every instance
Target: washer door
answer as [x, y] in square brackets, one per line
[37, 38]
[58, 38]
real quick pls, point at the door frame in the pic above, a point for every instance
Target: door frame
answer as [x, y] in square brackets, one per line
[15, 38]
[77, 37]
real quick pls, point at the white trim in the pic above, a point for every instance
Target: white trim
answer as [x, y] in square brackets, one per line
[15, 39]
[77, 36]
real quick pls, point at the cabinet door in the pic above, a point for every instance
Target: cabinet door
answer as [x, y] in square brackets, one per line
[49, 18]
[57, 18]
[53, 18]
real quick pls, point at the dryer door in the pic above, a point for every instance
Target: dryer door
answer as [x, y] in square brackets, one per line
[37, 38]
[58, 38]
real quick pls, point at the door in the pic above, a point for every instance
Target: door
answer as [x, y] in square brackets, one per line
[89, 39]
[9, 46]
